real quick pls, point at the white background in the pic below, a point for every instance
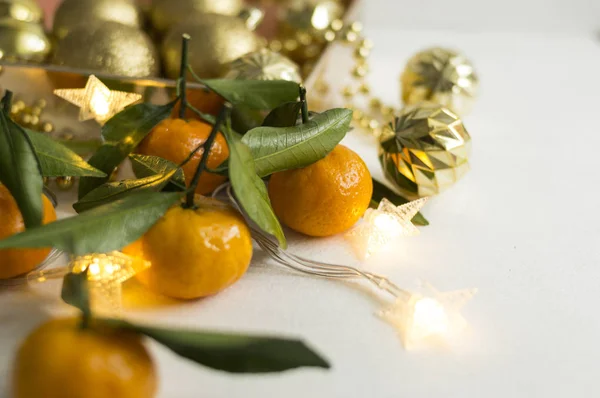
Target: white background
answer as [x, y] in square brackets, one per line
[523, 226]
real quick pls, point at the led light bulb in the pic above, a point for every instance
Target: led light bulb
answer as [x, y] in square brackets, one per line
[96, 101]
[105, 274]
[423, 319]
[383, 225]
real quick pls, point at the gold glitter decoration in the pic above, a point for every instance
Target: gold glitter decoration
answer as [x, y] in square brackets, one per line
[216, 40]
[21, 10]
[426, 151]
[106, 274]
[442, 76]
[167, 13]
[108, 47]
[307, 15]
[96, 100]
[71, 13]
[23, 41]
[264, 64]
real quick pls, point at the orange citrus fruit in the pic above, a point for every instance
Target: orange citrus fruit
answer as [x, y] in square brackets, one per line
[325, 198]
[60, 359]
[194, 252]
[14, 262]
[175, 139]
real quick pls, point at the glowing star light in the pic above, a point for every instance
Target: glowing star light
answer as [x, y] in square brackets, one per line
[106, 273]
[428, 319]
[383, 225]
[96, 101]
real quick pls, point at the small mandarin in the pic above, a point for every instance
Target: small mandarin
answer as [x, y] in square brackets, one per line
[60, 359]
[194, 252]
[14, 262]
[325, 198]
[175, 139]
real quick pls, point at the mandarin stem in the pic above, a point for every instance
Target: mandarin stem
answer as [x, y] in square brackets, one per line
[185, 38]
[223, 113]
[6, 100]
[304, 104]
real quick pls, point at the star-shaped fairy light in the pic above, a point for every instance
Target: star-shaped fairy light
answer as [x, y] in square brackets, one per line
[428, 319]
[383, 225]
[106, 273]
[96, 101]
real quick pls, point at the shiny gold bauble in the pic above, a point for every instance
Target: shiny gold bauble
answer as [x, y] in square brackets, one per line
[72, 13]
[442, 76]
[21, 10]
[425, 150]
[166, 13]
[264, 64]
[108, 47]
[216, 40]
[310, 15]
[23, 41]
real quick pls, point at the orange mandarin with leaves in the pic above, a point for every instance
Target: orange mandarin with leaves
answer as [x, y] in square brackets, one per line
[175, 139]
[325, 198]
[14, 262]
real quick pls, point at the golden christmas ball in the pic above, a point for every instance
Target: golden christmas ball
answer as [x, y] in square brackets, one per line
[311, 14]
[21, 10]
[442, 76]
[23, 41]
[264, 64]
[425, 150]
[166, 13]
[108, 47]
[216, 41]
[72, 13]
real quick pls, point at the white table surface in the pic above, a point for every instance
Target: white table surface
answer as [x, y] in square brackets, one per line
[523, 226]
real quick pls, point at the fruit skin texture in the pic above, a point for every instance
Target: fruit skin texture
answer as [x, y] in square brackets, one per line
[175, 139]
[62, 360]
[14, 262]
[194, 252]
[325, 198]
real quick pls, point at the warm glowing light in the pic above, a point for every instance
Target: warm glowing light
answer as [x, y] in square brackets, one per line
[106, 273]
[432, 318]
[383, 225]
[96, 101]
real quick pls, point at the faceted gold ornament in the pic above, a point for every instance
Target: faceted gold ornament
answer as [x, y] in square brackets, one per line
[425, 150]
[441, 76]
[72, 13]
[264, 64]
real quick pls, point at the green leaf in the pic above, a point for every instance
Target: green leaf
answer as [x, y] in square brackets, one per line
[249, 189]
[285, 115]
[112, 191]
[244, 118]
[81, 147]
[257, 94]
[57, 160]
[147, 165]
[20, 170]
[75, 292]
[123, 133]
[102, 229]
[282, 148]
[381, 191]
[229, 352]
